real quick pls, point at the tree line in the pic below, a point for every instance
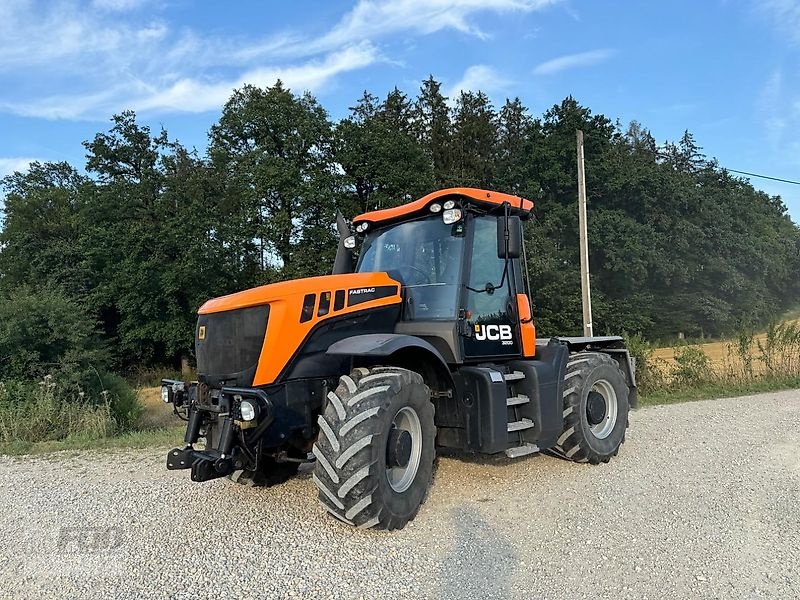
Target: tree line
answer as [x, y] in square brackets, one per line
[117, 257]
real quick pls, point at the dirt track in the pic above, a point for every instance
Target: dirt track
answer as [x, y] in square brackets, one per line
[702, 502]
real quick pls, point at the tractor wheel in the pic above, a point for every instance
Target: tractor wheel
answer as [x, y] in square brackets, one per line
[375, 448]
[269, 473]
[595, 409]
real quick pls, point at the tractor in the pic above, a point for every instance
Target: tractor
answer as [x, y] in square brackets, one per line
[422, 338]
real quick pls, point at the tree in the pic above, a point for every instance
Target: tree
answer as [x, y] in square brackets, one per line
[383, 162]
[274, 152]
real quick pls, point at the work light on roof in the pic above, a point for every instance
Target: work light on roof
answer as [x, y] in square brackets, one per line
[451, 216]
[435, 207]
[362, 227]
[449, 204]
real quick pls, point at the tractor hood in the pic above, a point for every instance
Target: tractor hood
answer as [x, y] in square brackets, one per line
[289, 311]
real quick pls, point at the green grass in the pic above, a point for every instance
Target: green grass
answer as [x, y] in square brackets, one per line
[172, 436]
[719, 390]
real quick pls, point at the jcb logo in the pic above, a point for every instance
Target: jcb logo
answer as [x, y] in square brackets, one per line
[494, 333]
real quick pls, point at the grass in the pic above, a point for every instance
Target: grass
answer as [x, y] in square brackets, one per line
[136, 439]
[705, 391]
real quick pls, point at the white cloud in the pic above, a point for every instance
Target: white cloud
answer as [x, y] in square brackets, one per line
[97, 63]
[478, 77]
[784, 15]
[573, 61]
[192, 95]
[9, 165]
[771, 110]
[118, 5]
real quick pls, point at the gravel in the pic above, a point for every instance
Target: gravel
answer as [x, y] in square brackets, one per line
[702, 502]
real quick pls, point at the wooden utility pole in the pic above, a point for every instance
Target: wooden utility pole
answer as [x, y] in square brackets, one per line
[586, 292]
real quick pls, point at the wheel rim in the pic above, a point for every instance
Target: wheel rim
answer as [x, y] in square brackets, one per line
[400, 478]
[603, 428]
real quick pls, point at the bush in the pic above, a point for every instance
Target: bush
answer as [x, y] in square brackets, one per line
[692, 367]
[34, 412]
[649, 370]
[43, 332]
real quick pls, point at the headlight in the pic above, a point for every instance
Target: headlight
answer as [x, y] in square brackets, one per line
[350, 242]
[248, 410]
[451, 216]
[166, 394]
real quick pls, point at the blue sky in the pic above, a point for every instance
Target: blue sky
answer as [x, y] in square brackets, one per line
[727, 70]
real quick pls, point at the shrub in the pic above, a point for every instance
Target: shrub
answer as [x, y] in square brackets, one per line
[692, 367]
[34, 412]
[43, 332]
[649, 370]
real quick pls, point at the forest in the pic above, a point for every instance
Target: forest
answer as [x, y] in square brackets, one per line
[103, 265]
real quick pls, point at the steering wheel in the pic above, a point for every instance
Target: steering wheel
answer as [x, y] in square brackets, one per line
[419, 271]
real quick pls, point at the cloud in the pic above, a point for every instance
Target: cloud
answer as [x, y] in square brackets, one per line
[478, 77]
[784, 15]
[9, 165]
[573, 61]
[191, 95]
[770, 108]
[119, 5]
[98, 63]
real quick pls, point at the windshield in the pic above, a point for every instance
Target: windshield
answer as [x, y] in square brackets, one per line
[426, 256]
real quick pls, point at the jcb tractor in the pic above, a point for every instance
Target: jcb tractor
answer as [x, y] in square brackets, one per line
[425, 341]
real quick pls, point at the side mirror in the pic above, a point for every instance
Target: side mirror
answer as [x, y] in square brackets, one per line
[509, 237]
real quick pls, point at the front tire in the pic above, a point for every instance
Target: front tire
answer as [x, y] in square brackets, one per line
[375, 448]
[595, 409]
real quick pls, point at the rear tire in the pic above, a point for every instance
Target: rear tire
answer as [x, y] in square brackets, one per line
[375, 448]
[595, 409]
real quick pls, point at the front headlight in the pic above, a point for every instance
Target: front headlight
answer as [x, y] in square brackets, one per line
[248, 410]
[166, 394]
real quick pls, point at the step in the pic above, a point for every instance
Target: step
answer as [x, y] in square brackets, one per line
[523, 450]
[514, 376]
[520, 425]
[517, 400]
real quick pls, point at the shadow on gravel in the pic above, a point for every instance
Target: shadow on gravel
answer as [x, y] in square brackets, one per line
[482, 562]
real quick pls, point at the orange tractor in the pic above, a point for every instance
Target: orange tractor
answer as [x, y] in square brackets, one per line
[425, 341]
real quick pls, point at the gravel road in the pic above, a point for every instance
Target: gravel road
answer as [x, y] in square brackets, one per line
[704, 501]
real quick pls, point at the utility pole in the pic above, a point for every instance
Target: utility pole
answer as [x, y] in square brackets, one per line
[586, 292]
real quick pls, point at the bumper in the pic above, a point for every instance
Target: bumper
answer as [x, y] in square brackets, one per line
[227, 450]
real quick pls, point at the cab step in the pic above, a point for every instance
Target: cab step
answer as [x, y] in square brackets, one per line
[523, 450]
[514, 376]
[520, 425]
[517, 400]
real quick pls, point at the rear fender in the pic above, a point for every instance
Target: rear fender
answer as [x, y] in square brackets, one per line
[614, 346]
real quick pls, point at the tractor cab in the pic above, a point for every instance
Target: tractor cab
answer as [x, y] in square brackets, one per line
[457, 255]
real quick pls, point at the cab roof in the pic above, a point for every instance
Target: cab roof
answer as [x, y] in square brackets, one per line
[485, 198]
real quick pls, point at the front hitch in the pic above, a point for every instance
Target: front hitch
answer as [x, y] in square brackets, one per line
[219, 461]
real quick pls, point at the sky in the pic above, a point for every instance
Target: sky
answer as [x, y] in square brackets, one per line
[726, 70]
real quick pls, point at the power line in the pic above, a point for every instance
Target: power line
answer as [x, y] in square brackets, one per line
[763, 176]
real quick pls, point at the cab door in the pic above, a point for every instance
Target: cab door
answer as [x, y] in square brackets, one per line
[489, 301]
